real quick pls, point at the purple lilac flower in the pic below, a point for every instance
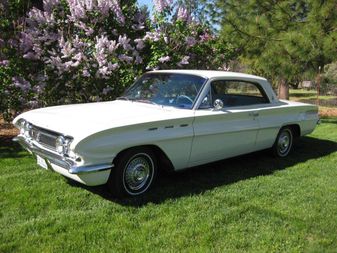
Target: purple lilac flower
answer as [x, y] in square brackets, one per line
[85, 72]
[54, 61]
[30, 56]
[190, 41]
[205, 37]
[37, 50]
[152, 36]
[13, 43]
[112, 66]
[160, 5]
[103, 71]
[225, 68]
[4, 63]
[138, 27]
[101, 44]
[140, 44]
[48, 5]
[106, 90]
[21, 83]
[77, 9]
[41, 79]
[40, 17]
[125, 58]
[26, 42]
[78, 57]
[182, 14]
[88, 30]
[89, 4]
[184, 61]
[100, 58]
[48, 37]
[164, 59]
[118, 11]
[66, 49]
[105, 6]
[79, 44]
[138, 60]
[124, 42]
[113, 45]
[33, 104]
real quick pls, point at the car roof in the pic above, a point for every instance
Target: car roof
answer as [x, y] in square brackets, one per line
[209, 73]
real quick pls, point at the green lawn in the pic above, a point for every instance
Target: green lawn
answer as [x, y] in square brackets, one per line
[252, 203]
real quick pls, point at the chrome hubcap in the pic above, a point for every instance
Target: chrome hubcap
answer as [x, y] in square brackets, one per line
[284, 142]
[137, 173]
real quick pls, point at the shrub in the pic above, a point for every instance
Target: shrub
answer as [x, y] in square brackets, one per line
[80, 51]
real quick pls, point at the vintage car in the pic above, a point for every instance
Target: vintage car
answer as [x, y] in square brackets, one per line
[167, 119]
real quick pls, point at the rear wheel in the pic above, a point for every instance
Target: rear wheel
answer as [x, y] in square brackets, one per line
[134, 172]
[284, 142]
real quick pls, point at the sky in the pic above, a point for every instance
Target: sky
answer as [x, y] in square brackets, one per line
[147, 3]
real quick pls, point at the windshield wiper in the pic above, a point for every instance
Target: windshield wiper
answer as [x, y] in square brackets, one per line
[146, 101]
[124, 98]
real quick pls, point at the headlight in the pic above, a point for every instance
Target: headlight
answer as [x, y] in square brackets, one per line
[62, 145]
[27, 127]
[21, 126]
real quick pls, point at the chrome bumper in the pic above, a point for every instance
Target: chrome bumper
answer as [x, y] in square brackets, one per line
[64, 162]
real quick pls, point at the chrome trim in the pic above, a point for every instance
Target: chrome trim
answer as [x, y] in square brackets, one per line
[64, 162]
[90, 168]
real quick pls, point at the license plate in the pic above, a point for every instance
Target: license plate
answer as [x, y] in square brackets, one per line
[41, 162]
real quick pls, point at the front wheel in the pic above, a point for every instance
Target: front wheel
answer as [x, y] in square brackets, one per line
[283, 143]
[134, 172]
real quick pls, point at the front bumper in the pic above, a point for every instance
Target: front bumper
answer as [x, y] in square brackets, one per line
[88, 174]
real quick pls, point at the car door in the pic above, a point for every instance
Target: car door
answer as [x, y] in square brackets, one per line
[228, 130]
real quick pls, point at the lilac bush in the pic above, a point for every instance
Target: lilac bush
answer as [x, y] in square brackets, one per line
[90, 50]
[83, 48]
[177, 40]
[16, 89]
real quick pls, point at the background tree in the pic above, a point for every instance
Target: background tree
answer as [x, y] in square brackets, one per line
[287, 40]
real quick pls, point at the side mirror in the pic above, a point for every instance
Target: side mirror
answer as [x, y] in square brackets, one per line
[218, 104]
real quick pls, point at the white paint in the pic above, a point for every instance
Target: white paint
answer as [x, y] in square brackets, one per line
[187, 137]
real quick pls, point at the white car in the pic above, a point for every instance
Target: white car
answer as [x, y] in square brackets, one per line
[167, 118]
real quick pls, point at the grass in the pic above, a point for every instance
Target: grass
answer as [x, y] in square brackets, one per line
[252, 203]
[310, 96]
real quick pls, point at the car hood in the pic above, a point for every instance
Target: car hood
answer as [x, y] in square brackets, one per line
[81, 120]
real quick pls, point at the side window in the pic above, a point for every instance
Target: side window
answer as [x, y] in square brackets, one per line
[206, 103]
[237, 93]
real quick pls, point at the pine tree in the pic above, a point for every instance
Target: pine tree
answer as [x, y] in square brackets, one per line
[286, 40]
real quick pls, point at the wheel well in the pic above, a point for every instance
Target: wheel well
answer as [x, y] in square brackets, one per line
[164, 163]
[295, 129]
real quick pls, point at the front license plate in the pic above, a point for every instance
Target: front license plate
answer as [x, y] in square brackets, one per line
[41, 162]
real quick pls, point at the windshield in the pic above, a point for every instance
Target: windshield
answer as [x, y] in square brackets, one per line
[178, 90]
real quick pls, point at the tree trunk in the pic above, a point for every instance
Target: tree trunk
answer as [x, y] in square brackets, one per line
[283, 89]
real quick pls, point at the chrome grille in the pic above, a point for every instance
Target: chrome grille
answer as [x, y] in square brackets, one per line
[44, 137]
